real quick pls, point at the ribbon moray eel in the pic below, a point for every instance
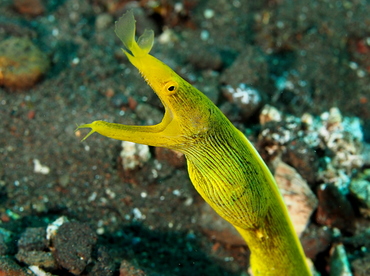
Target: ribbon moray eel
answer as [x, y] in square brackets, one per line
[223, 165]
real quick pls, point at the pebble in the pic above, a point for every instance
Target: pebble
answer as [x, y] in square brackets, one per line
[360, 188]
[37, 258]
[3, 241]
[339, 265]
[73, 244]
[104, 264]
[300, 200]
[334, 209]
[316, 239]
[22, 63]
[8, 267]
[127, 269]
[29, 7]
[33, 239]
[216, 228]
[176, 159]
[361, 266]
[304, 159]
[246, 98]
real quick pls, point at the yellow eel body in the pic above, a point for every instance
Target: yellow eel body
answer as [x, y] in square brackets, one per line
[223, 165]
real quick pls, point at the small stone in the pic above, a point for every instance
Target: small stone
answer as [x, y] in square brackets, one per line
[3, 246]
[360, 188]
[246, 98]
[216, 228]
[103, 21]
[64, 180]
[304, 159]
[103, 265]
[73, 246]
[8, 267]
[34, 238]
[361, 266]
[300, 200]
[316, 239]
[21, 63]
[360, 240]
[334, 209]
[176, 159]
[37, 258]
[29, 7]
[127, 269]
[6, 235]
[339, 265]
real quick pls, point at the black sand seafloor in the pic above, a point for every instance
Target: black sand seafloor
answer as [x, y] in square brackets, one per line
[292, 75]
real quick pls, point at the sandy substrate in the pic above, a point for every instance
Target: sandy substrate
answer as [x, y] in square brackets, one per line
[304, 57]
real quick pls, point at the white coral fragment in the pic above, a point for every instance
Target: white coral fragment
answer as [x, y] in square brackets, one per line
[134, 155]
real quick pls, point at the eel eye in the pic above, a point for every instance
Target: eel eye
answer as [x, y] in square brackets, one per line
[171, 87]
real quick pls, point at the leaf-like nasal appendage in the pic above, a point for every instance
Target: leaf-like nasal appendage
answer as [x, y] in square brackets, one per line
[125, 30]
[146, 40]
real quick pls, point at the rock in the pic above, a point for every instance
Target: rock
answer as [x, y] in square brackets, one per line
[127, 269]
[316, 239]
[3, 246]
[34, 238]
[361, 266]
[304, 159]
[334, 209]
[217, 228]
[360, 240]
[366, 152]
[339, 265]
[298, 197]
[73, 244]
[8, 267]
[246, 98]
[21, 63]
[360, 188]
[29, 7]
[5, 237]
[103, 265]
[37, 258]
[174, 158]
